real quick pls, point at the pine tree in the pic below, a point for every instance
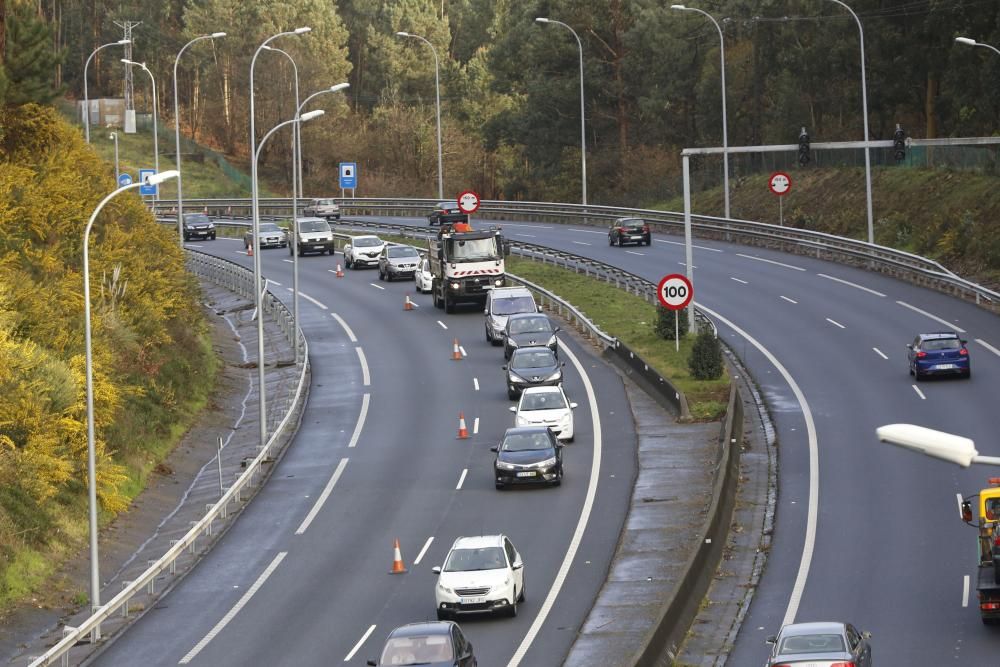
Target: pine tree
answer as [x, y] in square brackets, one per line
[29, 61]
[705, 362]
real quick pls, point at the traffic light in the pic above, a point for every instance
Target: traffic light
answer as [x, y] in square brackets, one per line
[899, 144]
[804, 148]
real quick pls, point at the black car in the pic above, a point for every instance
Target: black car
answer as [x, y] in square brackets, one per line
[629, 230]
[528, 455]
[446, 213]
[529, 330]
[532, 367]
[198, 226]
[434, 643]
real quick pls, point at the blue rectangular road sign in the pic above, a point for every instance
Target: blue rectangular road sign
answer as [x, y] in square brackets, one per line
[348, 175]
[146, 189]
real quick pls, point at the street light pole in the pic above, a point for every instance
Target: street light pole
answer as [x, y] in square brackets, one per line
[725, 124]
[255, 213]
[296, 139]
[864, 111]
[156, 142]
[86, 97]
[177, 135]
[437, 99]
[972, 42]
[583, 120]
[114, 136]
[95, 583]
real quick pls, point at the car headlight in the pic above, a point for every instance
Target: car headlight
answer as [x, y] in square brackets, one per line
[503, 465]
[514, 377]
[552, 341]
[555, 376]
[566, 418]
[513, 343]
[445, 589]
[498, 282]
[547, 463]
[455, 285]
[211, 225]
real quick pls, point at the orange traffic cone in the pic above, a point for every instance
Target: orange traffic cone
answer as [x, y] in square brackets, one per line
[397, 560]
[456, 354]
[407, 305]
[340, 272]
[250, 250]
[463, 432]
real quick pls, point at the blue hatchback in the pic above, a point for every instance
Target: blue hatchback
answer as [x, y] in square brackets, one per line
[940, 353]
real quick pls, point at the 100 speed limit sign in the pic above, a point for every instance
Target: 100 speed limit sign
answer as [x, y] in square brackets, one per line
[675, 291]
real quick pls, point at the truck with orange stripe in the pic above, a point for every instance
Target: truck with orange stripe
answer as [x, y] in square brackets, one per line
[466, 264]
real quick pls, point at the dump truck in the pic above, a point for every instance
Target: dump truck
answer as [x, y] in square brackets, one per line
[466, 264]
[987, 522]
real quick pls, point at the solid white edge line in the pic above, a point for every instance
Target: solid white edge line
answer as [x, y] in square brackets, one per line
[770, 261]
[789, 300]
[366, 376]
[988, 346]
[443, 325]
[322, 497]
[739, 281]
[835, 323]
[340, 320]
[420, 556]
[581, 525]
[365, 400]
[475, 383]
[632, 252]
[360, 643]
[850, 284]
[461, 480]
[376, 286]
[812, 513]
[235, 610]
[943, 321]
[965, 591]
[880, 353]
[582, 243]
[309, 299]
[475, 426]
[919, 393]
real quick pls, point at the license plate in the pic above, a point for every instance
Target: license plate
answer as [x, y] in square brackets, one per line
[479, 600]
[530, 473]
[945, 366]
[318, 247]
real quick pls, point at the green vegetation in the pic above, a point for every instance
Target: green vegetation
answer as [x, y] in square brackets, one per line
[705, 362]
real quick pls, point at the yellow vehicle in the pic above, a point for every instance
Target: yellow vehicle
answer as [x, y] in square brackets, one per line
[988, 524]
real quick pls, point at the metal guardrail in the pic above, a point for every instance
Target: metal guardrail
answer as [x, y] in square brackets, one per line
[240, 280]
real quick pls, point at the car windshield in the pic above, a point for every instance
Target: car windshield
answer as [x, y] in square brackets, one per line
[313, 226]
[812, 644]
[472, 250]
[548, 400]
[533, 359]
[196, 218]
[402, 251]
[417, 650]
[367, 242]
[466, 560]
[511, 305]
[530, 325]
[941, 344]
[526, 442]
[269, 227]
[324, 202]
[447, 206]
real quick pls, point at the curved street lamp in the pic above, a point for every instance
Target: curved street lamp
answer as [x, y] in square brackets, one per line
[437, 99]
[156, 143]
[583, 120]
[95, 583]
[937, 444]
[972, 42]
[725, 132]
[177, 134]
[86, 97]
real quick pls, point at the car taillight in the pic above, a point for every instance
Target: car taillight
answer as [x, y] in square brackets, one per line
[843, 664]
[989, 606]
[921, 355]
[645, 229]
[963, 352]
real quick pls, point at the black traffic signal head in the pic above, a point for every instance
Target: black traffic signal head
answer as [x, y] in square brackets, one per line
[804, 148]
[899, 144]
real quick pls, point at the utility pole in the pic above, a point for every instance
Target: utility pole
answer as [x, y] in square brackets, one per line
[129, 92]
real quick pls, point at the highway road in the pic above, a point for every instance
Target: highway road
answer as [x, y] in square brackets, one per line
[303, 577]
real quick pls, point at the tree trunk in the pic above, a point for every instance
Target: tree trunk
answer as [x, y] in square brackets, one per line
[930, 109]
[3, 29]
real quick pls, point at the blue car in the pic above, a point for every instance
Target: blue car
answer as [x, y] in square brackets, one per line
[939, 353]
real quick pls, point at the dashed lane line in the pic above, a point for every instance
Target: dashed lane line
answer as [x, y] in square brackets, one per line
[461, 480]
[360, 643]
[835, 323]
[742, 282]
[427, 545]
[770, 261]
[988, 346]
[443, 325]
[879, 353]
[933, 317]
[788, 300]
[850, 284]
[340, 320]
[919, 393]
[376, 286]
[365, 402]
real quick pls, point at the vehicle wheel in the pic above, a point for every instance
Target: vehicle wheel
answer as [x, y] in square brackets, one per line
[449, 305]
[520, 597]
[489, 338]
[511, 394]
[291, 251]
[438, 301]
[917, 376]
[499, 486]
[512, 609]
[611, 240]
[571, 439]
[348, 263]
[967, 374]
[381, 274]
[213, 236]
[442, 615]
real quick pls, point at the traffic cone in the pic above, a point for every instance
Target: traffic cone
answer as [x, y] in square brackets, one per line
[463, 432]
[340, 272]
[397, 560]
[456, 354]
[407, 305]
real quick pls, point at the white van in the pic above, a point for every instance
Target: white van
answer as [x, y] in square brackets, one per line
[501, 302]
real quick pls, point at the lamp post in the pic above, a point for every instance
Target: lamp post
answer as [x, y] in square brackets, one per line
[86, 98]
[296, 139]
[583, 121]
[972, 42]
[937, 444]
[261, 399]
[177, 134]
[114, 136]
[864, 111]
[95, 584]
[295, 217]
[437, 99]
[156, 143]
[725, 132]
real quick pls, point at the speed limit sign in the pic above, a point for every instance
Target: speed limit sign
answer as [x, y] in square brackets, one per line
[675, 291]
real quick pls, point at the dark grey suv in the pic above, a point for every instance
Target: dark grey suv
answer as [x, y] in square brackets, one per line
[198, 226]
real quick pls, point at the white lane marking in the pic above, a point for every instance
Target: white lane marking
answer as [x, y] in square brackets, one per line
[340, 320]
[813, 509]
[770, 261]
[443, 325]
[366, 376]
[835, 323]
[520, 226]
[581, 525]
[193, 245]
[588, 231]
[361, 641]
[288, 260]
[376, 286]
[582, 243]
[789, 300]
[322, 497]
[850, 284]
[988, 346]
[919, 393]
[632, 252]
[958, 497]
[943, 321]
[235, 610]
[308, 298]
[420, 556]
[242, 252]
[365, 401]
[462, 350]
[475, 383]
[475, 426]
[879, 353]
[527, 236]
[699, 247]
[965, 591]
[739, 281]
[685, 264]
[461, 480]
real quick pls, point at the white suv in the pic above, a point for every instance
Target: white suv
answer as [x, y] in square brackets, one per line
[546, 406]
[363, 251]
[482, 574]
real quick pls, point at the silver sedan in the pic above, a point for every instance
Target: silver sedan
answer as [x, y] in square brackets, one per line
[820, 645]
[270, 235]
